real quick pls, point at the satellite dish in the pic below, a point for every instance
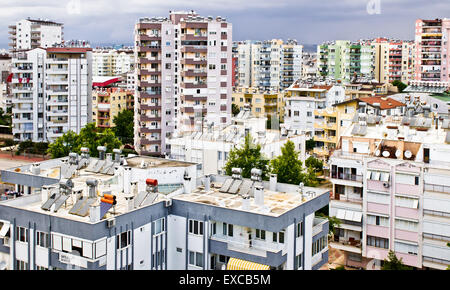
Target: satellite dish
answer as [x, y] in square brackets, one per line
[398, 153]
[386, 153]
[377, 153]
[408, 154]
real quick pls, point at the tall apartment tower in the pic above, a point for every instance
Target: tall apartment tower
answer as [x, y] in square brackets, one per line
[183, 76]
[112, 62]
[52, 92]
[33, 33]
[344, 60]
[432, 50]
[393, 60]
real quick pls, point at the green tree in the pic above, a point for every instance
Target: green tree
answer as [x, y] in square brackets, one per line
[315, 163]
[69, 142]
[401, 86]
[310, 144]
[393, 263]
[287, 166]
[247, 157]
[124, 126]
[235, 109]
[89, 137]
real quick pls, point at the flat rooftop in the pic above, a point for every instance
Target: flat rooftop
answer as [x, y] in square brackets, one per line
[276, 203]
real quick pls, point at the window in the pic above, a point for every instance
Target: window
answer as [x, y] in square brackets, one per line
[278, 237]
[408, 202]
[406, 225]
[213, 228]
[319, 245]
[22, 234]
[378, 197]
[21, 265]
[299, 229]
[195, 227]
[195, 259]
[158, 226]
[227, 230]
[219, 155]
[123, 240]
[42, 239]
[299, 261]
[260, 234]
[378, 242]
[406, 248]
[377, 220]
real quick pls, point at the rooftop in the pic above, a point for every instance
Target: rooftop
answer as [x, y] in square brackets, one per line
[276, 203]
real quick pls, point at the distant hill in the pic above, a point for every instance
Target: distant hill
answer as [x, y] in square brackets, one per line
[310, 47]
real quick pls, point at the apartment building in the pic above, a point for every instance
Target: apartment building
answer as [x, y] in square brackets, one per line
[309, 65]
[390, 190]
[345, 60]
[431, 55]
[5, 72]
[108, 214]
[302, 98]
[30, 33]
[112, 62]
[271, 64]
[108, 100]
[183, 73]
[393, 60]
[262, 103]
[51, 92]
[211, 146]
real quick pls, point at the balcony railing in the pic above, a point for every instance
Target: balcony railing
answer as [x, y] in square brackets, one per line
[346, 176]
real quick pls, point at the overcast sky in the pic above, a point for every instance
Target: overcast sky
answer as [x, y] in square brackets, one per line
[308, 21]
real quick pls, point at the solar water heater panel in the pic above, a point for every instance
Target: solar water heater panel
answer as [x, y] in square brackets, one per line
[226, 185]
[78, 205]
[84, 210]
[51, 200]
[235, 186]
[246, 187]
[60, 201]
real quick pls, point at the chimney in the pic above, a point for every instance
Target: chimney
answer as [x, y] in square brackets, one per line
[259, 195]
[126, 179]
[246, 202]
[94, 212]
[36, 169]
[73, 158]
[117, 153]
[84, 152]
[45, 193]
[273, 182]
[92, 184]
[207, 182]
[108, 157]
[187, 183]
[101, 152]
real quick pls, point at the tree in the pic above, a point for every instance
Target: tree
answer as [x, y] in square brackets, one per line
[310, 144]
[124, 126]
[393, 263]
[287, 166]
[401, 86]
[235, 109]
[89, 137]
[247, 157]
[69, 142]
[315, 163]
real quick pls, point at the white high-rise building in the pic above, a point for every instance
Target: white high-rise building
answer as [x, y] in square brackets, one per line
[51, 92]
[271, 64]
[112, 62]
[183, 75]
[33, 33]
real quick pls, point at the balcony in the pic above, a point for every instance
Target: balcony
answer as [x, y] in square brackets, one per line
[144, 141]
[351, 245]
[194, 48]
[194, 73]
[195, 37]
[437, 188]
[145, 37]
[148, 48]
[346, 176]
[321, 151]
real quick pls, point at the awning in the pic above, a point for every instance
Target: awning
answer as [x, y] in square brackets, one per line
[237, 264]
[5, 229]
[340, 214]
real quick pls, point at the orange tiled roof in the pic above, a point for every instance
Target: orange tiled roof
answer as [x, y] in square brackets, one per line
[385, 103]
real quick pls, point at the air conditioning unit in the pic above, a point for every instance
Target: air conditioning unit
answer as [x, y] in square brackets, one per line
[168, 203]
[386, 184]
[110, 223]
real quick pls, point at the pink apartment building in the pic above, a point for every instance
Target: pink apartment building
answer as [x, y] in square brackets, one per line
[391, 185]
[432, 55]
